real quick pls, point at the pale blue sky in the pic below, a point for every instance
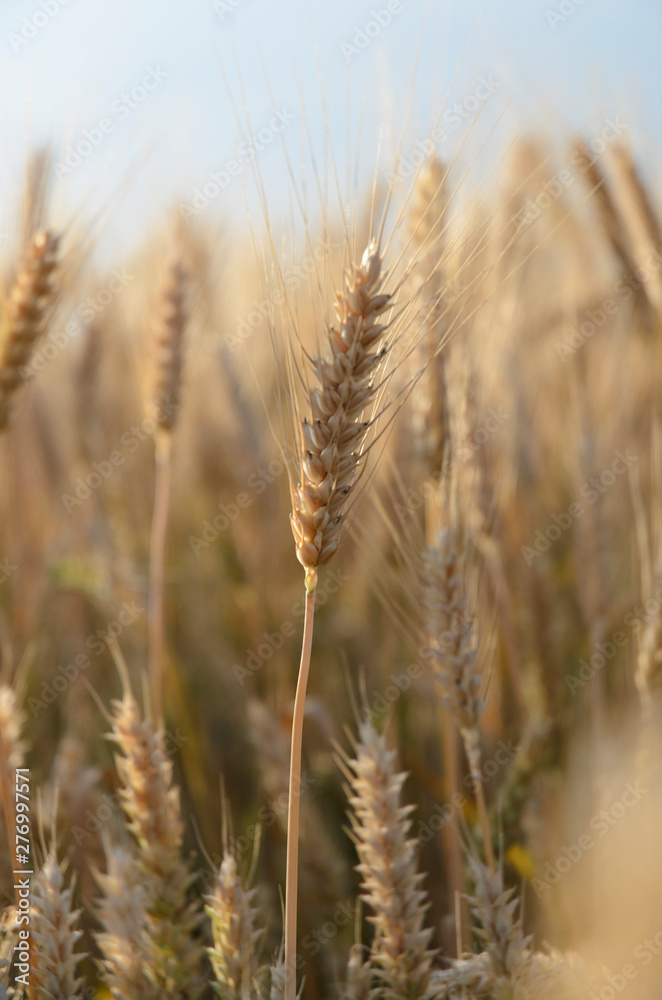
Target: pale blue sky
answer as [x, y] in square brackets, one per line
[85, 55]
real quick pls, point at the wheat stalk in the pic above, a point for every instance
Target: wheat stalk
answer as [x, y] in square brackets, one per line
[168, 362]
[453, 649]
[388, 865]
[331, 450]
[24, 314]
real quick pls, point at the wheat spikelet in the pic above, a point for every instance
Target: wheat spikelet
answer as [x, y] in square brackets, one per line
[24, 315]
[55, 934]
[360, 976]
[232, 916]
[388, 865]
[332, 440]
[169, 347]
[171, 953]
[467, 977]
[277, 972]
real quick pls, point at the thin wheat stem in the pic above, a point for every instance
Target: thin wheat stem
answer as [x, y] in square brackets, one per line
[484, 824]
[156, 568]
[291, 877]
[472, 746]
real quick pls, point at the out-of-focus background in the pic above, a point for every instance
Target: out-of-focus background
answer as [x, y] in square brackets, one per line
[69, 66]
[131, 129]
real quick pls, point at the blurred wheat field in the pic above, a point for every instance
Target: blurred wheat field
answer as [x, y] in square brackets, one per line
[490, 626]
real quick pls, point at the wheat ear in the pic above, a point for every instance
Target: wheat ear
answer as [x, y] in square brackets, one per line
[388, 865]
[55, 934]
[121, 911]
[452, 646]
[24, 314]
[641, 223]
[500, 927]
[171, 953]
[331, 450]
[168, 362]
[232, 914]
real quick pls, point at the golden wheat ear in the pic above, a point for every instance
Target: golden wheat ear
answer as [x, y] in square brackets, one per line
[24, 314]
[169, 337]
[232, 914]
[391, 886]
[171, 951]
[333, 438]
[55, 934]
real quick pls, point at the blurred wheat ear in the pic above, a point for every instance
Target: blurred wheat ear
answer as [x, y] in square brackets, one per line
[232, 913]
[55, 935]
[167, 362]
[24, 314]
[400, 956]
[169, 950]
